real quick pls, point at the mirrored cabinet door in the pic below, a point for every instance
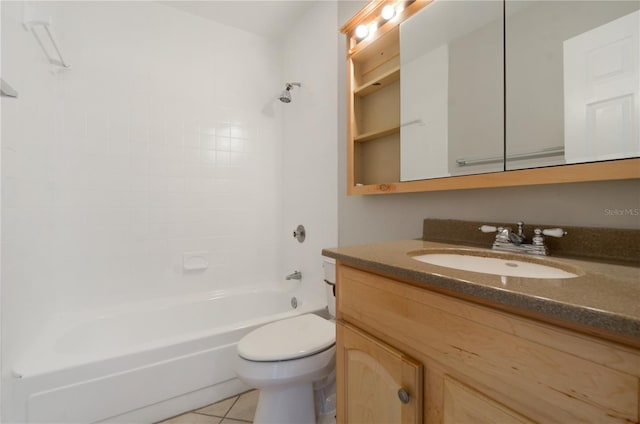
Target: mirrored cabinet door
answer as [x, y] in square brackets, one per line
[572, 82]
[456, 94]
[451, 90]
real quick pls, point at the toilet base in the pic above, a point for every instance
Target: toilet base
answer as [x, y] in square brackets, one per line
[286, 405]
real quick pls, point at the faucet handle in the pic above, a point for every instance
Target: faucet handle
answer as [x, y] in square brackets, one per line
[488, 229]
[538, 238]
[554, 232]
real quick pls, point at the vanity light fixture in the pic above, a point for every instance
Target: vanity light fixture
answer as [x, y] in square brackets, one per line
[362, 31]
[388, 12]
[373, 27]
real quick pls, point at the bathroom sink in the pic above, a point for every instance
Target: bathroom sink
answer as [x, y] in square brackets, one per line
[496, 265]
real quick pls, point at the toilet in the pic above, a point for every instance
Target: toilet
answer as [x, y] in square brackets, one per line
[292, 364]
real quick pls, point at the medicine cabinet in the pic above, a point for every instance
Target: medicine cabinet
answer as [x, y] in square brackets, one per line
[449, 95]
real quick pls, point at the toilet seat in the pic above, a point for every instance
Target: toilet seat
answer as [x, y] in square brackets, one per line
[289, 339]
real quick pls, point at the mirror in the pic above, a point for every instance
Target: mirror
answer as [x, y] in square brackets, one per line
[451, 90]
[571, 84]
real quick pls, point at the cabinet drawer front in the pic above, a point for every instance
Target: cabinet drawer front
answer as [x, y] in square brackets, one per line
[546, 383]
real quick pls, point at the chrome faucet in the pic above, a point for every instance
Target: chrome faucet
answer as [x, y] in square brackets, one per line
[296, 275]
[509, 241]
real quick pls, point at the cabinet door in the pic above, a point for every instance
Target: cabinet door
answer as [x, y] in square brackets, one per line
[463, 405]
[373, 379]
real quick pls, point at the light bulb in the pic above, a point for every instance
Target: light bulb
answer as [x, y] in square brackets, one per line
[373, 27]
[388, 12]
[362, 31]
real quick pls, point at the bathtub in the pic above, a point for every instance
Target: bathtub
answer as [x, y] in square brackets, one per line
[142, 362]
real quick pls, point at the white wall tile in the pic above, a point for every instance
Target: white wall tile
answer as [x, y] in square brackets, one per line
[114, 168]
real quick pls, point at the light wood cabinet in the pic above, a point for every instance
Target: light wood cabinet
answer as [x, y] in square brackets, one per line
[377, 384]
[374, 97]
[480, 365]
[375, 134]
[463, 404]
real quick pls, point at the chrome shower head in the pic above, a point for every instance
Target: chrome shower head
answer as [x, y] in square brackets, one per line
[285, 97]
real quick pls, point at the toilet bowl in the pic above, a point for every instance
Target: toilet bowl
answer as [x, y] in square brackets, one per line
[292, 364]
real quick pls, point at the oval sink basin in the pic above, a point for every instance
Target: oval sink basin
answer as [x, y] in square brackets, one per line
[494, 265]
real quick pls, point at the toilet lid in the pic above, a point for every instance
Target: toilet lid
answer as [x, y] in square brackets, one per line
[290, 338]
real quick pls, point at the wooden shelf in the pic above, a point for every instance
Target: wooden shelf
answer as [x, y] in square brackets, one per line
[371, 47]
[380, 82]
[622, 169]
[372, 135]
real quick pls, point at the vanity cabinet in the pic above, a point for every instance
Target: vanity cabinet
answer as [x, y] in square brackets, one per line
[478, 364]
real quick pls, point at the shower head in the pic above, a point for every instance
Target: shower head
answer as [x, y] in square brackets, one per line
[285, 97]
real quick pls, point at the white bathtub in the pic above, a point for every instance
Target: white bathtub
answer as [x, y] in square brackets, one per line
[142, 362]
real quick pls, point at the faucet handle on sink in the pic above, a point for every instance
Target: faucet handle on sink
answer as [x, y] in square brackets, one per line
[488, 229]
[554, 232]
[538, 238]
[502, 234]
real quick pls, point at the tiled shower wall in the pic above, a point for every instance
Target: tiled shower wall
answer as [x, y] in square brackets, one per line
[310, 137]
[164, 137]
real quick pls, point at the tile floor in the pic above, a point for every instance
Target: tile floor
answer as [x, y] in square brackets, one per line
[238, 409]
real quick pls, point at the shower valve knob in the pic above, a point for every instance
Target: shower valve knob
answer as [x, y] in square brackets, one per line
[299, 233]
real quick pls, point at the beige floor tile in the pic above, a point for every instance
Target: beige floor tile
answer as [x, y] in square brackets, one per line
[245, 407]
[192, 418]
[219, 409]
[232, 421]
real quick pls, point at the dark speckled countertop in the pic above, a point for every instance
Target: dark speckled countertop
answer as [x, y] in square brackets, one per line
[604, 299]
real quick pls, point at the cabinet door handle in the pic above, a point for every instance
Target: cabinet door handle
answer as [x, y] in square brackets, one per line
[403, 395]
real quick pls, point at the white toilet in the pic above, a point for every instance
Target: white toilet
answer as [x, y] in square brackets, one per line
[292, 363]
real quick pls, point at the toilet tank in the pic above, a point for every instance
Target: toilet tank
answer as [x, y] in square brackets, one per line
[329, 266]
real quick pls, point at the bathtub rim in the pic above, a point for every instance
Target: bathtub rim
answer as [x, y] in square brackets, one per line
[41, 359]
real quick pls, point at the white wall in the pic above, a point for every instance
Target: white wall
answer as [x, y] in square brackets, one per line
[1, 389]
[164, 137]
[310, 157]
[365, 219]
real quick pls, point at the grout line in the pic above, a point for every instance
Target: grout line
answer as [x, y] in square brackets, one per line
[203, 414]
[232, 405]
[217, 416]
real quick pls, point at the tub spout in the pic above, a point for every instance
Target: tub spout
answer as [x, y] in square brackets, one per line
[297, 275]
